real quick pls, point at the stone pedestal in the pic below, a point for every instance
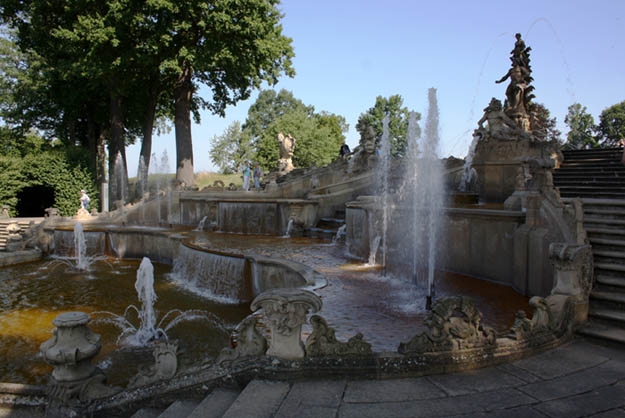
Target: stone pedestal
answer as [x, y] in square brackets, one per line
[285, 311]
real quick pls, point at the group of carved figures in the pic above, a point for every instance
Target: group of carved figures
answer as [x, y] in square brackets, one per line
[516, 113]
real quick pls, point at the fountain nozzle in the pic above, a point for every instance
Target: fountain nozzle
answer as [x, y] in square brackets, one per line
[428, 303]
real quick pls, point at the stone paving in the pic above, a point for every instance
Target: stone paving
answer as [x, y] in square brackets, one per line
[580, 379]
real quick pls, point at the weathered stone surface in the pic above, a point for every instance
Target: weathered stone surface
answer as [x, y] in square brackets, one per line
[583, 381]
[475, 403]
[250, 342]
[482, 380]
[394, 390]
[587, 404]
[454, 323]
[165, 365]
[215, 404]
[285, 311]
[323, 341]
[317, 398]
[259, 399]
[560, 361]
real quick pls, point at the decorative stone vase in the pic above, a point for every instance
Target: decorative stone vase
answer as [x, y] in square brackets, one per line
[72, 348]
[285, 311]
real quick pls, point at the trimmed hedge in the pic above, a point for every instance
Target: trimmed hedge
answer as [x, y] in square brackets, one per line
[50, 168]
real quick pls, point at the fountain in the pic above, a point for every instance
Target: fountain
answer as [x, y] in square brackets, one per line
[247, 261]
[148, 329]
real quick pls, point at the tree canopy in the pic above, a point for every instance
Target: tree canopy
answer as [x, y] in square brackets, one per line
[398, 121]
[581, 128]
[231, 149]
[611, 126]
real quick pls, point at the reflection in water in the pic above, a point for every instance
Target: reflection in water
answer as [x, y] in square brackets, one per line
[29, 302]
[357, 299]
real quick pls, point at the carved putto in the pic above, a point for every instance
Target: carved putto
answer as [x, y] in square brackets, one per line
[250, 342]
[323, 342]
[453, 324]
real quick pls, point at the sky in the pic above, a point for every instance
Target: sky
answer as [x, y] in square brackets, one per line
[348, 52]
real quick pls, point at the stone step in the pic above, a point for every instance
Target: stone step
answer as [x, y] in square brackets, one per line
[259, 399]
[617, 223]
[588, 182]
[611, 281]
[603, 332]
[22, 412]
[615, 233]
[610, 267]
[589, 194]
[602, 213]
[215, 404]
[179, 409]
[600, 299]
[147, 413]
[614, 317]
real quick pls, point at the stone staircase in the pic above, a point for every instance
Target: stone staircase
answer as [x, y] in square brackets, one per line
[327, 228]
[598, 178]
[23, 223]
[260, 398]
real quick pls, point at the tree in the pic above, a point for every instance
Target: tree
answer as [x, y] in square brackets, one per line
[611, 127]
[317, 142]
[268, 107]
[543, 125]
[231, 47]
[398, 121]
[230, 149]
[581, 127]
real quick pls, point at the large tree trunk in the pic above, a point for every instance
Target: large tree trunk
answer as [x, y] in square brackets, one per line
[118, 171]
[182, 120]
[146, 145]
[97, 154]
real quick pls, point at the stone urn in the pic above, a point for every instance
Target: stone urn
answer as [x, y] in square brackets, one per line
[72, 348]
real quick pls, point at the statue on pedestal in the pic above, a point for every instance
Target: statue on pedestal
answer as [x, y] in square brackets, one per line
[287, 148]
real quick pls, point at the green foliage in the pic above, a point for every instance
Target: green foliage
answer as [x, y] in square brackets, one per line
[268, 107]
[611, 127]
[318, 139]
[12, 181]
[543, 125]
[30, 161]
[581, 127]
[230, 149]
[398, 121]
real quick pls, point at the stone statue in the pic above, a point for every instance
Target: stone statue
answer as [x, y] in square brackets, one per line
[518, 95]
[287, 147]
[164, 367]
[323, 342]
[499, 124]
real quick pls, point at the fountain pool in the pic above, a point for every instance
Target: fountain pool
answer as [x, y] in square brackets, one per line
[34, 294]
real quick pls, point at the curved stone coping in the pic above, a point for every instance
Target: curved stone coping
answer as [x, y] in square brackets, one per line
[244, 199]
[519, 216]
[375, 366]
[310, 277]
[18, 257]
[17, 394]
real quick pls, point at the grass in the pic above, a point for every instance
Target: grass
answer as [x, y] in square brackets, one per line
[202, 179]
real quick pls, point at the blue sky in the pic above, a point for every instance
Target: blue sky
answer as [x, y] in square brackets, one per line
[348, 52]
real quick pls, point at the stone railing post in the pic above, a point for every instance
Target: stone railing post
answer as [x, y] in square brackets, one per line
[573, 273]
[285, 311]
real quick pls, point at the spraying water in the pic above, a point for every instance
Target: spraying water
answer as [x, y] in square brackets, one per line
[468, 172]
[432, 189]
[201, 225]
[339, 233]
[289, 229]
[145, 291]
[80, 247]
[385, 167]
